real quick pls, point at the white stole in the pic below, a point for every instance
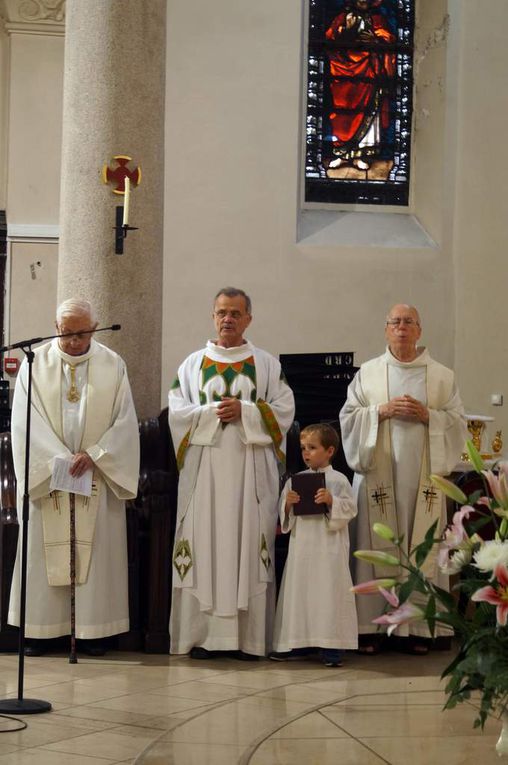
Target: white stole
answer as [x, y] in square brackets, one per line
[381, 499]
[99, 394]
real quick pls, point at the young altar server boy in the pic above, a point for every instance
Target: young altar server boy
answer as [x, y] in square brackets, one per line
[315, 607]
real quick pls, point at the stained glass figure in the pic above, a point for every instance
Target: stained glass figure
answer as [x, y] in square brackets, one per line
[359, 101]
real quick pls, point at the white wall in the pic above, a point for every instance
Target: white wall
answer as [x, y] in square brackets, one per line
[233, 118]
[232, 189]
[4, 85]
[35, 128]
[481, 234]
[34, 132]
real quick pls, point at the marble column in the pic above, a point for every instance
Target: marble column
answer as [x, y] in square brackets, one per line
[114, 104]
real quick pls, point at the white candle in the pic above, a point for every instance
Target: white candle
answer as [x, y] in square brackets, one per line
[126, 199]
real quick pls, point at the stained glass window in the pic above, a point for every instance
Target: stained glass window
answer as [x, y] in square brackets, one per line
[359, 101]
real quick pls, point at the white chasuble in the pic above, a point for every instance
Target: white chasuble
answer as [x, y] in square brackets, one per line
[395, 458]
[223, 558]
[102, 422]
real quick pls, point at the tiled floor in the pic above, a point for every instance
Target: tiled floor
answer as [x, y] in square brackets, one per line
[157, 710]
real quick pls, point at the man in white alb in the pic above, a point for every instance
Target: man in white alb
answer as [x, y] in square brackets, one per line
[82, 410]
[403, 420]
[229, 411]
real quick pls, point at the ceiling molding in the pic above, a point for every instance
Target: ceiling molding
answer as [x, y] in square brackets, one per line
[33, 16]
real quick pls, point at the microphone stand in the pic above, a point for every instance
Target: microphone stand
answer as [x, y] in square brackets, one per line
[22, 706]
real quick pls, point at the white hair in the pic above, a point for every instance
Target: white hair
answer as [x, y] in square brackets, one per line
[73, 307]
[409, 307]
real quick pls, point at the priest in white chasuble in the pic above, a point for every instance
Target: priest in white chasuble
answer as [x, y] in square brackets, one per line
[82, 410]
[229, 411]
[403, 420]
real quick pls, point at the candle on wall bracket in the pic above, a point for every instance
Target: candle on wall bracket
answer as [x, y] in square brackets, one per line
[122, 177]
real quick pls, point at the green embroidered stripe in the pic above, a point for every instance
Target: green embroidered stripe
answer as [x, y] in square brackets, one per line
[228, 372]
[272, 427]
[182, 558]
[175, 384]
[264, 554]
[180, 456]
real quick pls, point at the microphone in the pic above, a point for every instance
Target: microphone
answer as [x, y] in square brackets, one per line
[34, 340]
[113, 327]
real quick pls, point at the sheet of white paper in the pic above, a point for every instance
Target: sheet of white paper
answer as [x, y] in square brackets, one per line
[62, 480]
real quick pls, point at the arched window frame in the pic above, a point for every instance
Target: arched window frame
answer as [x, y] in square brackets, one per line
[361, 189]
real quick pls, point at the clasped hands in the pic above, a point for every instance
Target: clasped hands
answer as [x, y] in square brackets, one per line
[229, 409]
[81, 462]
[322, 497]
[405, 407]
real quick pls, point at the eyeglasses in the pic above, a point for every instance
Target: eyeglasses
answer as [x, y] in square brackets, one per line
[232, 314]
[397, 322]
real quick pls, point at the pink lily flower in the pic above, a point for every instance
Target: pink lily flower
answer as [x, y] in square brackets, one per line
[496, 596]
[391, 596]
[498, 485]
[373, 585]
[453, 561]
[456, 534]
[407, 612]
[455, 537]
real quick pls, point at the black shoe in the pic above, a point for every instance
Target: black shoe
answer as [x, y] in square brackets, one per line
[242, 656]
[34, 647]
[371, 644]
[280, 655]
[332, 662]
[442, 643]
[91, 647]
[331, 658]
[414, 645]
[202, 653]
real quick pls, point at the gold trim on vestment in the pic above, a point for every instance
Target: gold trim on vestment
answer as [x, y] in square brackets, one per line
[55, 510]
[381, 498]
[73, 392]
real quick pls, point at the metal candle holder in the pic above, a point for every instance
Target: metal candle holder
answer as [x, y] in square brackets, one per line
[121, 230]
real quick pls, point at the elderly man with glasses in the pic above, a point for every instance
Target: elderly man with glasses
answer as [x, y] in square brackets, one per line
[229, 411]
[403, 420]
[82, 412]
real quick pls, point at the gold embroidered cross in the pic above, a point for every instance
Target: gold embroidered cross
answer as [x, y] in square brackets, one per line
[73, 392]
[380, 497]
[430, 495]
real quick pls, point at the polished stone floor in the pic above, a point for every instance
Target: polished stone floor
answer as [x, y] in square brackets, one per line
[157, 710]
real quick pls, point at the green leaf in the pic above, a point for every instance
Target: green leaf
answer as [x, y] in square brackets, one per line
[430, 614]
[474, 497]
[445, 597]
[474, 456]
[422, 550]
[450, 619]
[413, 583]
[474, 526]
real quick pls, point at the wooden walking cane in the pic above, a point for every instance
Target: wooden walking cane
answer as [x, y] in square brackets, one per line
[72, 501]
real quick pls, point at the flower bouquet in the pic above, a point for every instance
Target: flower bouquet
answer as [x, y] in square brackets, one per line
[476, 609]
